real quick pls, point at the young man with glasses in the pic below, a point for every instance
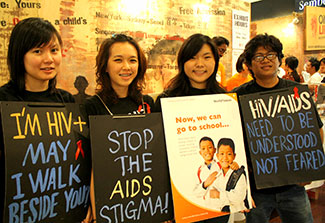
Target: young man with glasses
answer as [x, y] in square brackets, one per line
[222, 45]
[263, 56]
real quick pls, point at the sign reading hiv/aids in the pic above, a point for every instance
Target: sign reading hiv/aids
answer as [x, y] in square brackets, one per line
[282, 131]
[47, 162]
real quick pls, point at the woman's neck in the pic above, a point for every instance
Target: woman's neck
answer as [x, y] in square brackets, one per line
[36, 86]
[122, 92]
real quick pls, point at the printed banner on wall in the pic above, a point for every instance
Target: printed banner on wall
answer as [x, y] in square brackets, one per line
[159, 27]
[240, 29]
[47, 160]
[314, 28]
[283, 137]
[130, 168]
[204, 141]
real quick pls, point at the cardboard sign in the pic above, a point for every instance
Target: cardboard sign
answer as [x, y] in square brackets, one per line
[191, 125]
[47, 161]
[130, 169]
[283, 137]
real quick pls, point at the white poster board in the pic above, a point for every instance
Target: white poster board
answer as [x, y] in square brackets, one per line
[186, 121]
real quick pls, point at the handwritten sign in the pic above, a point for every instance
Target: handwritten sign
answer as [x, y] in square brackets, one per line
[283, 137]
[130, 167]
[47, 162]
[187, 121]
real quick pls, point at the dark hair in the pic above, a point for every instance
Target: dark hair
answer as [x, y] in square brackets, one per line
[103, 80]
[80, 81]
[227, 142]
[26, 35]
[239, 63]
[292, 62]
[269, 42]
[322, 60]
[180, 84]
[314, 63]
[219, 40]
[205, 138]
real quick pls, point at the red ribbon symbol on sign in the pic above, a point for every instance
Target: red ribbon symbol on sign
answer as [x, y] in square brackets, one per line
[296, 92]
[316, 93]
[145, 110]
[80, 150]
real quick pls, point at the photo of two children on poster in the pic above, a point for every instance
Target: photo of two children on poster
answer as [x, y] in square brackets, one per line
[220, 181]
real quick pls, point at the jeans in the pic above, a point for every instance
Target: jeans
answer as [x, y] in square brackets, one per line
[292, 205]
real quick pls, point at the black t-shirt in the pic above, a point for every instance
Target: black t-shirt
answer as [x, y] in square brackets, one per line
[192, 92]
[94, 106]
[9, 93]
[250, 88]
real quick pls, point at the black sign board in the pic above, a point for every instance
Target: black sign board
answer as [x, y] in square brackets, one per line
[283, 137]
[47, 162]
[130, 168]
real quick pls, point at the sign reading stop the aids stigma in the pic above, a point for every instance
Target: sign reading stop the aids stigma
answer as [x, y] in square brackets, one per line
[131, 177]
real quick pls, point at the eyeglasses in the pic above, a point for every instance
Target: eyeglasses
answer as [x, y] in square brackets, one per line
[260, 57]
[222, 50]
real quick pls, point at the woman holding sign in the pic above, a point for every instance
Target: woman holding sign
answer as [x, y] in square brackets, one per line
[34, 60]
[198, 64]
[121, 65]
